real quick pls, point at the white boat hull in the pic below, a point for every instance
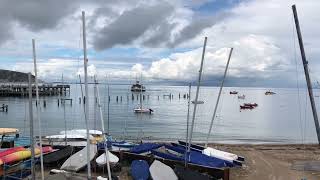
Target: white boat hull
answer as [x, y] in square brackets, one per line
[101, 160]
[79, 160]
[220, 154]
[160, 171]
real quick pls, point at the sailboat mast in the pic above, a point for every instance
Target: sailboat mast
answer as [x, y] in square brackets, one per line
[197, 94]
[85, 60]
[31, 128]
[64, 115]
[103, 130]
[306, 72]
[188, 117]
[38, 106]
[218, 99]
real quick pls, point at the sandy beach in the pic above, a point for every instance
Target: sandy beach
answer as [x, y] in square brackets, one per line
[272, 162]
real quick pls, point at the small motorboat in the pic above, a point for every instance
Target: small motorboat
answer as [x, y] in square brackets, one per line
[269, 93]
[233, 92]
[251, 104]
[140, 170]
[242, 97]
[246, 107]
[143, 110]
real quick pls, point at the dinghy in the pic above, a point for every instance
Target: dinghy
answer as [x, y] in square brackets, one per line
[224, 153]
[144, 147]
[122, 145]
[140, 170]
[101, 160]
[143, 110]
[79, 160]
[58, 156]
[187, 174]
[160, 171]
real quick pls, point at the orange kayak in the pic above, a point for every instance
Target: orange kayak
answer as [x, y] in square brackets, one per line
[11, 150]
[21, 155]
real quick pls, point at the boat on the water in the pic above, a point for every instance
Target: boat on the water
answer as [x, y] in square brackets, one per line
[161, 171]
[233, 92]
[269, 93]
[246, 107]
[140, 170]
[250, 104]
[137, 87]
[143, 110]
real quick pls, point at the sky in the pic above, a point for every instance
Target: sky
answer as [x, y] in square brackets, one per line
[161, 41]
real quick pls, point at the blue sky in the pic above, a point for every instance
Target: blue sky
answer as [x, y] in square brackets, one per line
[162, 40]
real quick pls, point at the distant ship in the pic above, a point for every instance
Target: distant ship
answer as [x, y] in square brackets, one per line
[137, 87]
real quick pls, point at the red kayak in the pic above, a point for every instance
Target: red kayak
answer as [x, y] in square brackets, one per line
[11, 150]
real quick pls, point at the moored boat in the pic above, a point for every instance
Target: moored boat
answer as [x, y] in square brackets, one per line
[143, 110]
[137, 87]
[233, 92]
[269, 93]
[251, 104]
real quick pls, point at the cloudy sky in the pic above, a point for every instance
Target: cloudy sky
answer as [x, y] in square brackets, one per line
[161, 40]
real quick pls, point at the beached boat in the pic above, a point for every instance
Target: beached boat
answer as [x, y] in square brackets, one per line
[242, 97]
[137, 87]
[21, 155]
[58, 156]
[188, 174]
[79, 160]
[233, 92]
[102, 159]
[179, 153]
[161, 171]
[140, 170]
[212, 152]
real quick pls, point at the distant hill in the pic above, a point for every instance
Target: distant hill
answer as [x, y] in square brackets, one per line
[14, 76]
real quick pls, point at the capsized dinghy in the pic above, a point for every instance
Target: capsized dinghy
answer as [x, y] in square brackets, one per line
[79, 159]
[101, 160]
[160, 171]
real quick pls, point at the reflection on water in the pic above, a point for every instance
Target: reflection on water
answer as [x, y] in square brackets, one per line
[277, 119]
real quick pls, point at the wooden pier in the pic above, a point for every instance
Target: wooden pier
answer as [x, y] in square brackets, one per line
[22, 89]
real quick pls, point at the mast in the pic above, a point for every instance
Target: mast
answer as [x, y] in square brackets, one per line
[38, 106]
[188, 117]
[85, 60]
[218, 99]
[306, 72]
[64, 115]
[103, 130]
[197, 94]
[108, 111]
[31, 127]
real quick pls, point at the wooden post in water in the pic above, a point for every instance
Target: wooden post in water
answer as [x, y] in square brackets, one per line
[31, 128]
[306, 72]
[217, 102]
[197, 94]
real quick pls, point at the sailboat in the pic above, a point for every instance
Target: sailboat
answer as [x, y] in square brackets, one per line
[141, 109]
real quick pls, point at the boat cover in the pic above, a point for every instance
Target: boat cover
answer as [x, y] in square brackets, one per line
[144, 147]
[58, 155]
[140, 170]
[160, 171]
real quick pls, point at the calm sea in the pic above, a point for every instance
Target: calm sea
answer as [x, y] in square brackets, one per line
[281, 118]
